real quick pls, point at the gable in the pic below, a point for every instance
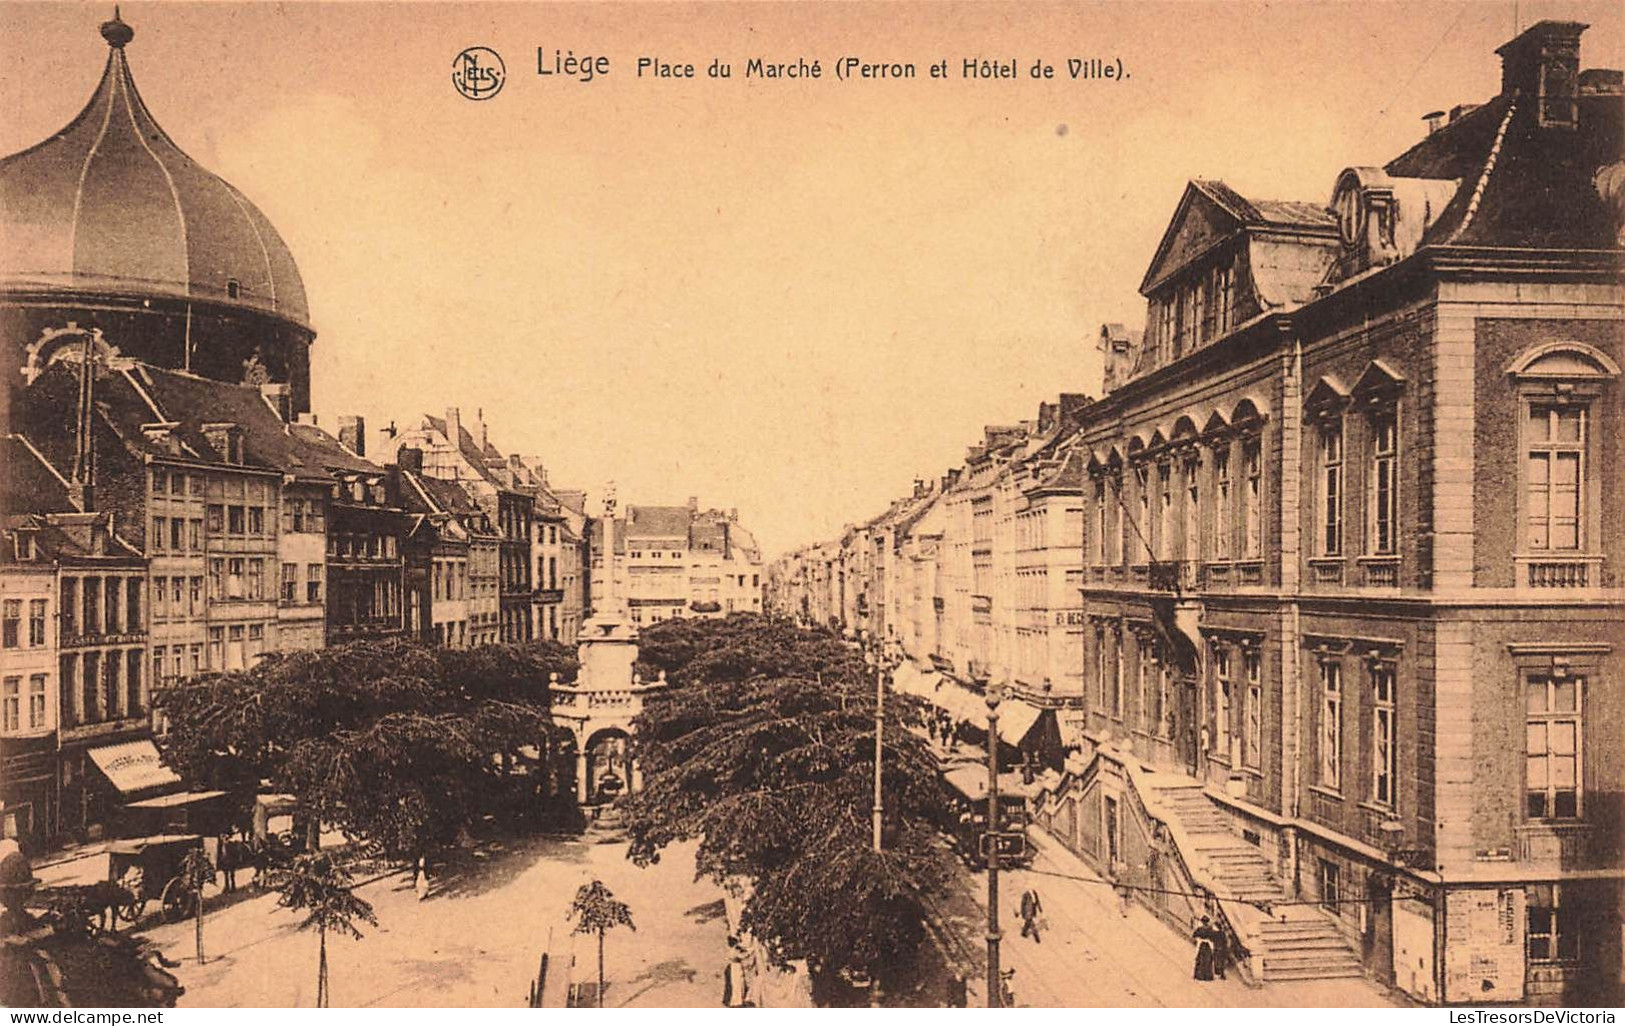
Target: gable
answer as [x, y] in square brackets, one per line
[1197, 225]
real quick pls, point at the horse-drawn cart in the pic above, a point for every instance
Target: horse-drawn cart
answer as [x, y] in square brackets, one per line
[153, 869]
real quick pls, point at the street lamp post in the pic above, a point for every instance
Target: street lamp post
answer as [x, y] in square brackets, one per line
[995, 998]
[880, 723]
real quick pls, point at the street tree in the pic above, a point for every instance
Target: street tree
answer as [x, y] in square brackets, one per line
[597, 911]
[773, 775]
[317, 885]
[404, 745]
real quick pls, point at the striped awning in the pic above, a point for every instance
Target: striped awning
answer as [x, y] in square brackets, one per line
[133, 766]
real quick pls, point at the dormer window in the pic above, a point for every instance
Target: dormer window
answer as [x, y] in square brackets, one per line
[234, 288]
[227, 442]
[23, 546]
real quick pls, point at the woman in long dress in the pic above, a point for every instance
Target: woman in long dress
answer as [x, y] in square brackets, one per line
[1206, 944]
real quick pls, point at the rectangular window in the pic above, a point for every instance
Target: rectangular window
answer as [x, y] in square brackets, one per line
[92, 587]
[132, 604]
[1331, 489]
[1252, 466]
[1100, 522]
[1556, 467]
[1553, 933]
[234, 520]
[158, 536]
[1384, 747]
[1142, 523]
[160, 597]
[160, 669]
[1331, 725]
[1331, 886]
[1142, 680]
[1165, 512]
[1221, 504]
[217, 519]
[256, 579]
[36, 701]
[1221, 699]
[36, 622]
[217, 578]
[133, 704]
[177, 535]
[11, 626]
[68, 607]
[1193, 511]
[217, 648]
[114, 624]
[1117, 675]
[313, 583]
[1252, 750]
[11, 704]
[256, 520]
[196, 604]
[1100, 666]
[290, 583]
[1553, 751]
[1384, 483]
[194, 531]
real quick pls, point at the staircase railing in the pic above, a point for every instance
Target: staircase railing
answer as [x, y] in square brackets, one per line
[1243, 932]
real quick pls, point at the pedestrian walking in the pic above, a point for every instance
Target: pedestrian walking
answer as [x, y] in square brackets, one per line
[228, 858]
[1031, 909]
[1120, 884]
[1207, 939]
[1221, 951]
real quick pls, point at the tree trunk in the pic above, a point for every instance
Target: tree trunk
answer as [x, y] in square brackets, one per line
[321, 973]
[600, 968]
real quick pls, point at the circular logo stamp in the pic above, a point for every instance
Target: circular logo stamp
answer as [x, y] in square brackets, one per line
[478, 73]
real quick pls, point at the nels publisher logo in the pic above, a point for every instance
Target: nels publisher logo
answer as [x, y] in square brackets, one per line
[478, 73]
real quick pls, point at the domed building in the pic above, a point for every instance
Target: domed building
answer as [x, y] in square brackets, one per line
[109, 225]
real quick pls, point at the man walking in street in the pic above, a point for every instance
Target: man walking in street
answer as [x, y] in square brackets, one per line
[1031, 909]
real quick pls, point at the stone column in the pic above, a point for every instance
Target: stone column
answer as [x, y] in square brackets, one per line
[581, 776]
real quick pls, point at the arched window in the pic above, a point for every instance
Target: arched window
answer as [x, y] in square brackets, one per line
[1558, 384]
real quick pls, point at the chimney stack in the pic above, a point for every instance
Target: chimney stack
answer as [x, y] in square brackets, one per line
[1542, 68]
[1435, 120]
[454, 426]
[307, 419]
[480, 438]
[280, 395]
[693, 503]
[353, 434]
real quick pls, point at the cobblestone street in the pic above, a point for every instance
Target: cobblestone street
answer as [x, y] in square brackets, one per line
[476, 941]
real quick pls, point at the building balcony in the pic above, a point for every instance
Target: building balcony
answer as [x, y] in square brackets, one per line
[1379, 571]
[1177, 576]
[1559, 845]
[705, 607]
[1559, 571]
[549, 596]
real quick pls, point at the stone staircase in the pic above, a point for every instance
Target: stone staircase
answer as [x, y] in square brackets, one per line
[1290, 942]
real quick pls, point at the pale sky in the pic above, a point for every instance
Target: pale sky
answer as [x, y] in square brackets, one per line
[788, 297]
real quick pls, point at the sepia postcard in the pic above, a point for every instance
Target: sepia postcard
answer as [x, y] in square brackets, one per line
[812, 505]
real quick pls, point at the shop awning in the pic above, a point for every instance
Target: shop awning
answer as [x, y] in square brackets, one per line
[171, 801]
[960, 702]
[1016, 718]
[133, 766]
[1071, 731]
[907, 679]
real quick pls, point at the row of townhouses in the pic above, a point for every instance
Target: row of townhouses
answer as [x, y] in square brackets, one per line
[1324, 594]
[168, 506]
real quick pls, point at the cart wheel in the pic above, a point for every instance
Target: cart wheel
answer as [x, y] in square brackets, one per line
[177, 900]
[130, 908]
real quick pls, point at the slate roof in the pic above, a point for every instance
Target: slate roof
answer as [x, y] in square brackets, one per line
[1255, 212]
[658, 521]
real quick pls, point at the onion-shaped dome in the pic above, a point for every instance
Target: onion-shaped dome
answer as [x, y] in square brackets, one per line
[110, 205]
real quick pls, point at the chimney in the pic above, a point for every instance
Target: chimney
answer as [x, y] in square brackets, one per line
[538, 468]
[693, 503]
[307, 419]
[353, 434]
[1435, 120]
[409, 457]
[454, 426]
[1542, 68]
[280, 396]
[480, 438]
[516, 467]
[1461, 110]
